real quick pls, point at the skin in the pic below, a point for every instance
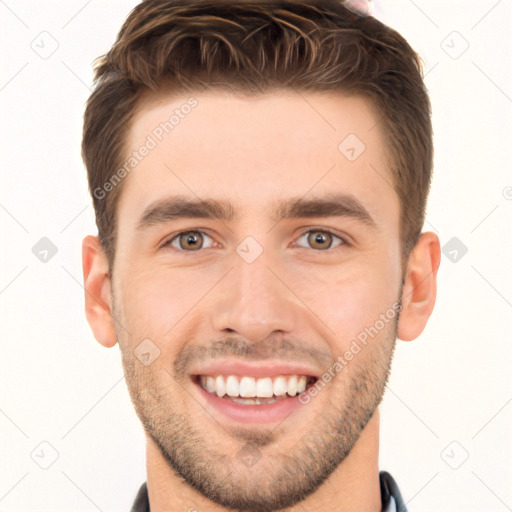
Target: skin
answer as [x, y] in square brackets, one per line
[297, 300]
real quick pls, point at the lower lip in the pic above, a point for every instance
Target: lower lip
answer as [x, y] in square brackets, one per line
[242, 413]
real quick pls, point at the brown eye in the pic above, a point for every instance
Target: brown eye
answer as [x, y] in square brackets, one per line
[321, 240]
[190, 241]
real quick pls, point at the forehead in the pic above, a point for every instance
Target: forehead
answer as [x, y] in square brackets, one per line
[255, 150]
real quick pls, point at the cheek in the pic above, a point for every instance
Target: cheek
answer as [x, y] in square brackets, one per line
[350, 300]
[158, 303]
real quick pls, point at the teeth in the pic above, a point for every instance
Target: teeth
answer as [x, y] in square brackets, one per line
[292, 385]
[232, 387]
[253, 401]
[301, 384]
[220, 387]
[280, 387]
[210, 384]
[264, 388]
[249, 387]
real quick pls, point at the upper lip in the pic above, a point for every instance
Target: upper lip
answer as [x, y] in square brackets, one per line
[255, 369]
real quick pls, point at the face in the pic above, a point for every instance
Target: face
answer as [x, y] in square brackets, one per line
[256, 257]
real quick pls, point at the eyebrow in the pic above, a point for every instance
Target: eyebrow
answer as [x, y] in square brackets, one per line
[178, 207]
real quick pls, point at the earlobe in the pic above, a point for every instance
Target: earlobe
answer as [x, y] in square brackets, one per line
[420, 286]
[98, 292]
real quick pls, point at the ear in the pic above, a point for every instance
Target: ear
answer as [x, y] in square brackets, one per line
[420, 288]
[98, 293]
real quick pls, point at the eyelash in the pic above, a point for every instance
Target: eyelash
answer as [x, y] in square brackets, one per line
[343, 241]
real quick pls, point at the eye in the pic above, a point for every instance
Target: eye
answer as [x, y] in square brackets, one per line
[189, 241]
[195, 240]
[321, 239]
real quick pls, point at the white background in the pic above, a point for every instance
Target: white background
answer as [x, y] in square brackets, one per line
[449, 396]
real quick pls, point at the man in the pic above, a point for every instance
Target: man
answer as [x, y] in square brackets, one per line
[259, 172]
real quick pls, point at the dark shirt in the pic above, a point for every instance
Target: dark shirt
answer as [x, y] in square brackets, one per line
[392, 500]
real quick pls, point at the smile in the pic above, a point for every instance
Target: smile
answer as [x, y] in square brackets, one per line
[254, 391]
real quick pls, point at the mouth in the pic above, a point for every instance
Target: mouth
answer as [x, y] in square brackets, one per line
[252, 393]
[249, 390]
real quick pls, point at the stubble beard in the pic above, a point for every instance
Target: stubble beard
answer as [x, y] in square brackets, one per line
[276, 480]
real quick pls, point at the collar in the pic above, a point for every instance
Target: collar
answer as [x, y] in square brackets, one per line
[392, 500]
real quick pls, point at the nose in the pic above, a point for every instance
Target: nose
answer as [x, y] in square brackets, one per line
[254, 302]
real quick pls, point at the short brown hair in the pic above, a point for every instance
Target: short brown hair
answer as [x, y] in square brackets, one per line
[254, 47]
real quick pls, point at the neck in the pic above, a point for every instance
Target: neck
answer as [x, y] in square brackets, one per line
[354, 485]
